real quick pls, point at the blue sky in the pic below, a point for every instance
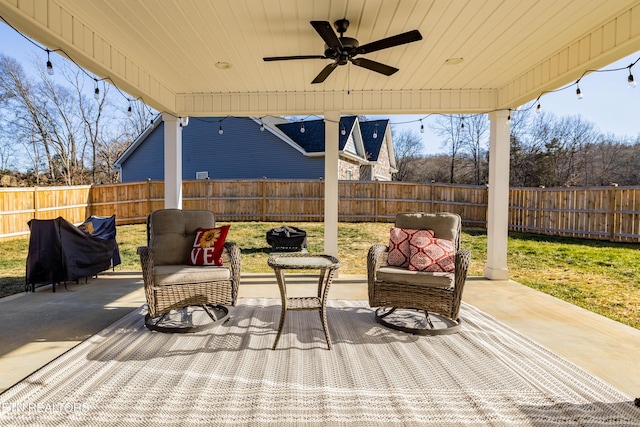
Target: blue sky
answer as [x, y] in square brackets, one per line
[607, 101]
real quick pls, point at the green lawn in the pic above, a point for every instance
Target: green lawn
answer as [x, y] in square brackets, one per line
[599, 276]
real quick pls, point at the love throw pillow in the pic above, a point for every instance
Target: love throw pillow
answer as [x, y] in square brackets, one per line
[431, 254]
[399, 252]
[208, 246]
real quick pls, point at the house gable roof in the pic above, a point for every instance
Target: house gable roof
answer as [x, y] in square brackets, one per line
[373, 145]
[312, 139]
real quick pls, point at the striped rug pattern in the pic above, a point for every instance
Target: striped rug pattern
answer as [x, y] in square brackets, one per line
[486, 375]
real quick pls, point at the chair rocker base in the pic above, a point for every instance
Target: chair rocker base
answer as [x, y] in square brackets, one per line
[451, 326]
[218, 314]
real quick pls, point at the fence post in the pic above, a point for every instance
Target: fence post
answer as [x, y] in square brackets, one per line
[207, 194]
[148, 196]
[540, 210]
[35, 202]
[612, 211]
[376, 196]
[431, 196]
[263, 208]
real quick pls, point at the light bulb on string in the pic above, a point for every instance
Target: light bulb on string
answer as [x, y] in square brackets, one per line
[421, 126]
[129, 109]
[579, 93]
[343, 131]
[538, 108]
[220, 131]
[261, 126]
[630, 80]
[375, 132]
[49, 64]
[96, 92]
[302, 127]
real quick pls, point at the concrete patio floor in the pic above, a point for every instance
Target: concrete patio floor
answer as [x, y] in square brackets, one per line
[40, 326]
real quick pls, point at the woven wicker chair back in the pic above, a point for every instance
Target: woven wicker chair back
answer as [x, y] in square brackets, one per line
[171, 233]
[445, 225]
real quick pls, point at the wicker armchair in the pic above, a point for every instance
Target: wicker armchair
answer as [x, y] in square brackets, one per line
[397, 290]
[171, 284]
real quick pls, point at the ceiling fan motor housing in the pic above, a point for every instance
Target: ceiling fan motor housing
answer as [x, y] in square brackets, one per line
[349, 45]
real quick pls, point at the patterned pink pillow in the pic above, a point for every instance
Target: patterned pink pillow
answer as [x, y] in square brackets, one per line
[431, 254]
[399, 252]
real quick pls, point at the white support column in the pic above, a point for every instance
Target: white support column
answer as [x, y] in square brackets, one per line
[173, 161]
[498, 210]
[331, 140]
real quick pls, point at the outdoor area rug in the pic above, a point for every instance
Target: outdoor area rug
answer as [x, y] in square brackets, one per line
[485, 375]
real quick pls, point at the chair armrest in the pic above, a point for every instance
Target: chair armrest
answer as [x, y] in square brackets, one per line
[231, 258]
[463, 258]
[376, 258]
[146, 260]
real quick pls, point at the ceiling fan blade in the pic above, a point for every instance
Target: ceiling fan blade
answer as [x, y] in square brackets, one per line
[374, 66]
[408, 37]
[326, 32]
[325, 73]
[287, 58]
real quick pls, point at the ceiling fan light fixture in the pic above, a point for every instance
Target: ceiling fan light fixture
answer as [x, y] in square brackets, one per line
[454, 61]
[223, 65]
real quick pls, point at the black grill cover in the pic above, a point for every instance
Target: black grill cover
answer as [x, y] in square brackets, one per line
[60, 251]
[287, 239]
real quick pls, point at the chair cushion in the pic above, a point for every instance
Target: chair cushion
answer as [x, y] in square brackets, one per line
[186, 274]
[208, 246]
[405, 276]
[399, 251]
[445, 225]
[173, 231]
[431, 254]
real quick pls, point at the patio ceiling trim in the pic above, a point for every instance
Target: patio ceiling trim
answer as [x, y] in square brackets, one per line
[354, 102]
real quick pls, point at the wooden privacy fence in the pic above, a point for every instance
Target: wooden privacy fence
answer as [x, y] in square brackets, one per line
[605, 213]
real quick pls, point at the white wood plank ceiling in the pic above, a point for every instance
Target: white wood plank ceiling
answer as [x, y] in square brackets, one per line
[166, 51]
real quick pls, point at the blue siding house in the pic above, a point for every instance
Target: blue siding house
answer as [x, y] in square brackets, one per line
[271, 147]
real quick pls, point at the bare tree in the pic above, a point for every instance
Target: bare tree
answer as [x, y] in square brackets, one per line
[475, 140]
[407, 147]
[75, 138]
[449, 127]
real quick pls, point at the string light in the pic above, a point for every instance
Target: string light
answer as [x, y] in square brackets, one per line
[509, 118]
[261, 126]
[375, 131]
[220, 131]
[578, 93]
[343, 131]
[421, 126]
[49, 64]
[129, 109]
[302, 127]
[96, 92]
[630, 80]
[538, 108]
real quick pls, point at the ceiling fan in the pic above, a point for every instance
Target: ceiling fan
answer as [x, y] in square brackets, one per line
[345, 49]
